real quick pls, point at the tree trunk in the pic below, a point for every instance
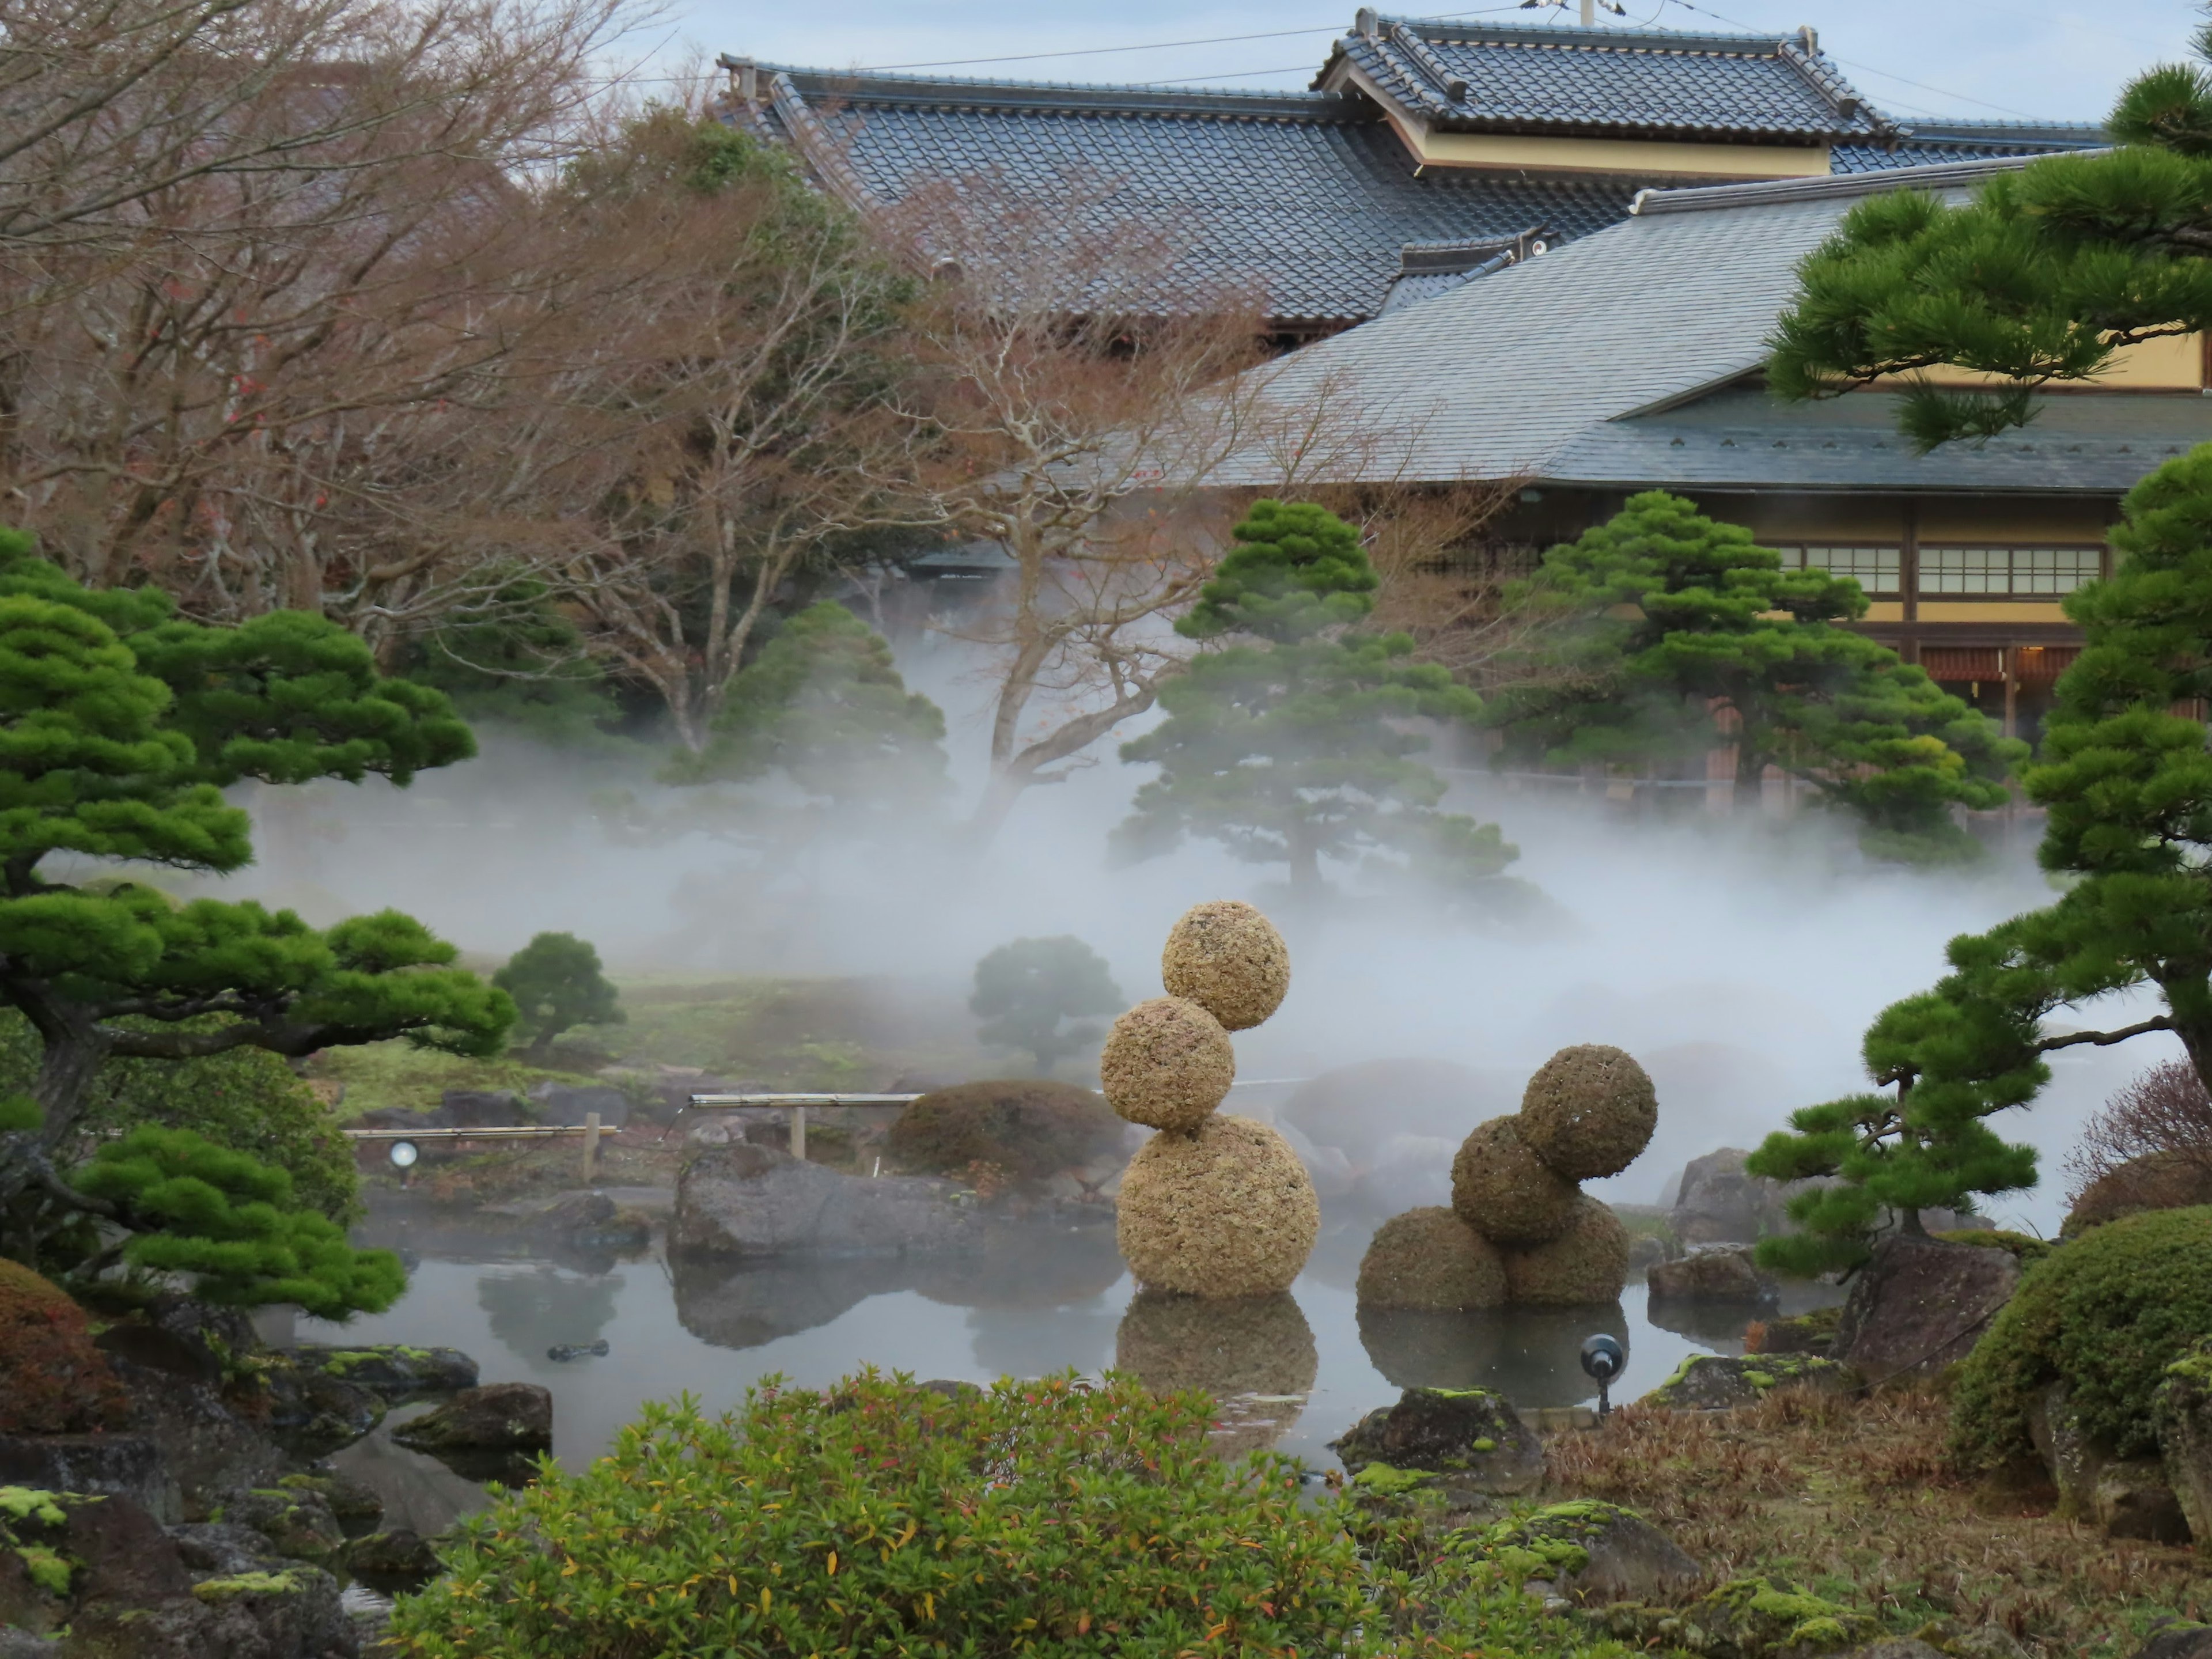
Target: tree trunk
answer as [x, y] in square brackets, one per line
[1908, 1223]
[73, 1056]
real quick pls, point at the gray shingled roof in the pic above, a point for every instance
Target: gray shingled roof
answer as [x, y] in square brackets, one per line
[1519, 78]
[1308, 196]
[1584, 365]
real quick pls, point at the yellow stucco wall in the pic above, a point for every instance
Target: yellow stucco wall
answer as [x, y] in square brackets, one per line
[2172, 364]
[2011, 612]
[1631, 156]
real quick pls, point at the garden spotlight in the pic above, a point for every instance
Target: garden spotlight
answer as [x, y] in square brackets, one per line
[404, 1152]
[1601, 1357]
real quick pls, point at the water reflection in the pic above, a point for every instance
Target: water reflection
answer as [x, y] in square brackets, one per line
[531, 1311]
[1532, 1356]
[1257, 1357]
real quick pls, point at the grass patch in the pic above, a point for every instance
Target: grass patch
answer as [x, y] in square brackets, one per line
[377, 1075]
[1854, 1500]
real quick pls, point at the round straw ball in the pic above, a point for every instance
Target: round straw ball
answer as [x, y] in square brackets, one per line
[1589, 1112]
[1228, 958]
[1505, 1192]
[1431, 1259]
[1167, 1064]
[1227, 1211]
[1587, 1263]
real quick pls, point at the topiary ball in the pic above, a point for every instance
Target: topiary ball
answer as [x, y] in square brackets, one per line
[1167, 1064]
[1589, 1111]
[1228, 958]
[1225, 1211]
[1505, 1192]
[1431, 1259]
[1587, 1263]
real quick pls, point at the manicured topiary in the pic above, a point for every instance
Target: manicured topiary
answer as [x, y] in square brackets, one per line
[1167, 1064]
[1505, 1192]
[1225, 1211]
[53, 1380]
[2106, 1315]
[1587, 1263]
[1589, 1112]
[1029, 1127]
[1431, 1259]
[1228, 958]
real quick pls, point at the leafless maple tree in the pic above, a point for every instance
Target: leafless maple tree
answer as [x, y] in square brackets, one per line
[2163, 1112]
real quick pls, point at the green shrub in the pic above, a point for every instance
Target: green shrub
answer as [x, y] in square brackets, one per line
[875, 1517]
[1027, 1126]
[231, 1221]
[2106, 1315]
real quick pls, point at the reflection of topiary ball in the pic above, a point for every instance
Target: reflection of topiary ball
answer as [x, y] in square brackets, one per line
[1430, 1258]
[1226, 1212]
[1505, 1192]
[1588, 1262]
[1228, 958]
[1258, 1345]
[1589, 1111]
[1167, 1064]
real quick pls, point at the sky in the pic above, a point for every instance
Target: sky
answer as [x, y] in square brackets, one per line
[1999, 59]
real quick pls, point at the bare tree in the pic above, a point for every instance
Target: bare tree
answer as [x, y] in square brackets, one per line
[2164, 1113]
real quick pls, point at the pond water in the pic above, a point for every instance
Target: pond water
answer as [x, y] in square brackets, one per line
[1299, 1369]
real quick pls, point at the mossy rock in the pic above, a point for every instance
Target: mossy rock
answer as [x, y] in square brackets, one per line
[1505, 1192]
[1587, 1263]
[2025, 1247]
[1167, 1065]
[1472, 1437]
[1031, 1127]
[1228, 958]
[1744, 1618]
[297, 1522]
[1589, 1112]
[1587, 1551]
[1813, 1333]
[1225, 1213]
[1712, 1382]
[1431, 1260]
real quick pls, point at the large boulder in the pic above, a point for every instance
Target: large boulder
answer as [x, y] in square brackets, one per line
[742, 1200]
[515, 1417]
[111, 1465]
[392, 1370]
[2182, 1410]
[1919, 1305]
[1592, 1553]
[1475, 1437]
[296, 1521]
[571, 1106]
[2125, 1497]
[1712, 1382]
[1719, 1203]
[1726, 1273]
[2179, 1642]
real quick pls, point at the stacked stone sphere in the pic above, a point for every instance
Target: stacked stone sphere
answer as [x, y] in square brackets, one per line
[1520, 1229]
[1212, 1207]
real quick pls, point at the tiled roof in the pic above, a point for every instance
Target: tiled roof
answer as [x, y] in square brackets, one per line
[1518, 78]
[1306, 196]
[1932, 144]
[1583, 366]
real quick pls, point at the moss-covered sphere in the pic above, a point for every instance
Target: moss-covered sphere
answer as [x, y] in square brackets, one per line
[1505, 1192]
[1587, 1263]
[1431, 1259]
[1223, 1213]
[1589, 1112]
[1167, 1064]
[1228, 958]
[1255, 1356]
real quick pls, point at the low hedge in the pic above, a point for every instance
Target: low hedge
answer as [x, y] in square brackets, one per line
[2106, 1315]
[1028, 1127]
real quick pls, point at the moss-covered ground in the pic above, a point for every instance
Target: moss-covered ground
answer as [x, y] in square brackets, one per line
[1852, 1499]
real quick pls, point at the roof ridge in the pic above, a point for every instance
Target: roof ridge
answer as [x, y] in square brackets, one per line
[1539, 35]
[1942, 176]
[1094, 96]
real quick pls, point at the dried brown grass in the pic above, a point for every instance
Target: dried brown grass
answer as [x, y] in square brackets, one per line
[1852, 1498]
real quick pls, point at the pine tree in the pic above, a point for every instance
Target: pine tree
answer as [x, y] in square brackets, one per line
[1294, 748]
[557, 985]
[1034, 993]
[120, 724]
[2128, 784]
[2042, 276]
[1693, 636]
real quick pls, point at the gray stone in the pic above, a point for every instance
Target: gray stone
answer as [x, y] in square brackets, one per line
[570, 1106]
[392, 1371]
[1719, 1204]
[296, 1521]
[2182, 1409]
[481, 1109]
[113, 1465]
[205, 1445]
[395, 1557]
[2126, 1498]
[311, 1408]
[2131, 1499]
[500, 1417]
[1723, 1274]
[1712, 1382]
[1920, 1305]
[1473, 1437]
[748, 1201]
[2074, 1462]
[1629, 1558]
[1645, 1251]
[2179, 1642]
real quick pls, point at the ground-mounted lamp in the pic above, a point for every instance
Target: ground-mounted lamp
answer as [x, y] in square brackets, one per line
[403, 1155]
[1601, 1357]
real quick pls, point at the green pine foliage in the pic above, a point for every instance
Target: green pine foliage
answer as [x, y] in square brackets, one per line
[2042, 277]
[1294, 748]
[2106, 1315]
[2128, 786]
[233, 1225]
[557, 985]
[1034, 993]
[1689, 635]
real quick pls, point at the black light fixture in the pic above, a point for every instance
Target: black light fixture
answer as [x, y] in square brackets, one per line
[1602, 1356]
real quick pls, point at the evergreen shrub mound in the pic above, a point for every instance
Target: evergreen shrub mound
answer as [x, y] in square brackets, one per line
[2106, 1315]
[879, 1517]
[229, 1220]
[53, 1380]
[1028, 1126]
